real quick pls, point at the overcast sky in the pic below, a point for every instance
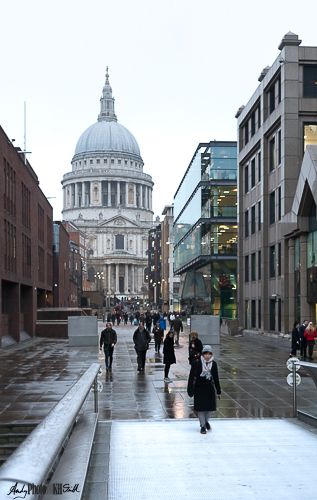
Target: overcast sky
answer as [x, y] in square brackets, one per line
[179, 71]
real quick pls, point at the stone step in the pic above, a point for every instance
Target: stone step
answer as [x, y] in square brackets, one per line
[12, 437]
[17, 427]
[8, 448]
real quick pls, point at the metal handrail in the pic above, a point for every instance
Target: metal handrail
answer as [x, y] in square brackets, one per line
[312, 370]
[33, 460]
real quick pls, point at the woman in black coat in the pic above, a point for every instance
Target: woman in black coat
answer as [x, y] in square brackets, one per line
[169, 354]
[295, 339]
[203, 384]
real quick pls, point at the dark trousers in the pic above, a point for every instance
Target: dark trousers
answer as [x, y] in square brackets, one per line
[108, 349]
[157, 345]
[167, 369]
[176, 336]
[310, 348]
[303, 347]
[141, 359]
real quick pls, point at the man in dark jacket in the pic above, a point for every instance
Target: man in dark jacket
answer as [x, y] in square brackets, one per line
[141, 339]
[178, 325]
[108, 339]
[302, 340]
[158, 336]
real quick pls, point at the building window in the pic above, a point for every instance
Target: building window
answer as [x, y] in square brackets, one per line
[91, 162]
[272, 154]
[310, 79]
[253, 124]
[119, 242]
[272, 261]
[259, 265]
[310, 135]
[112, 161]
[274, 95]
[119, 162]
[125, 162]
[246, 133]
[246, 270]
[98, 160]
[259, 115]
[279, 259]
[279, 142]
[259, 216]
[253, 173]
[253, 267]
[246, 179]
[253, 219]
[259, 166]
[85, 162]
[252, 313]
[272, 207]
[259, 314]
[246, 223]
[279, 203]
[272, 314]
[246, 315]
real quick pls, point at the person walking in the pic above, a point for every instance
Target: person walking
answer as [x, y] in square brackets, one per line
[310, 334]
[169, 354]
[178, 326]
[141, 339]
[195, 347]
[131, 318]
[302, 339]
[158, 336]
[295, 339]
[108, 339]
[126, 317]
[203, 384]
[162, 322]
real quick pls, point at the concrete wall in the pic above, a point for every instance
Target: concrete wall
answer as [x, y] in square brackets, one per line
[208, 328]
[83, 331]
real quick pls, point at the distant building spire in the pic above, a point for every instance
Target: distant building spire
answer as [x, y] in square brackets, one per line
[107, 103]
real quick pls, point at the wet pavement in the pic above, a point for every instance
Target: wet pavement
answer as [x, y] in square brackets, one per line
[35, 375]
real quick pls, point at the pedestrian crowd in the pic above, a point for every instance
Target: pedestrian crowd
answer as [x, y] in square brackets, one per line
[303, 337]
[203, 382]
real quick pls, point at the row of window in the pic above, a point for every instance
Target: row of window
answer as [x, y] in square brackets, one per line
[26, 207]
[9, 194]
[250, 180]
[252, 229]
[111, 162]
[10, 260]
[275, 264]
[250, 314]
[26, 256]
[275, 205]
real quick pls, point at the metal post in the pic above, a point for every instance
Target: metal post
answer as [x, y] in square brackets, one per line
[294, 391]
[96, 394]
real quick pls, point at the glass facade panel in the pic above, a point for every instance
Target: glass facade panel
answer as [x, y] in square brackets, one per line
[310, 134]
[189, 217]
[211, 289]
[206, 239]
[219, 201]
[189, 183]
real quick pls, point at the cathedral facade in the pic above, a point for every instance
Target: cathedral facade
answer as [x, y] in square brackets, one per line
[109, 197]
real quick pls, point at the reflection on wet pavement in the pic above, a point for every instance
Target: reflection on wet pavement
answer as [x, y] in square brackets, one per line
[34, 376]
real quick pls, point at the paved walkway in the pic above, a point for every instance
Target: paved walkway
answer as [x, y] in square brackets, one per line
[34, 376]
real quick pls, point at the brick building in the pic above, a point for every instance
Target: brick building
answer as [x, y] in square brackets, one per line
[26, 243]
[61, 267]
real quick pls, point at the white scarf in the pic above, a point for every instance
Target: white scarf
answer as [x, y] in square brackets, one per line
[206, 367]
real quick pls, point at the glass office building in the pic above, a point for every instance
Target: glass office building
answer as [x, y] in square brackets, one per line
[205, 231]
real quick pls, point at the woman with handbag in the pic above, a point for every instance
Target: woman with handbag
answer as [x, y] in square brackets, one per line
[310, 334]
[195, 347]
[203, 384]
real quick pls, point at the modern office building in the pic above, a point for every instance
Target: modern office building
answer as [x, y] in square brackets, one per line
[277, 196]
[109, 198]
[205, 231]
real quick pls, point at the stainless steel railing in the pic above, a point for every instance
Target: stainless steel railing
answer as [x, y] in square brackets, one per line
[32, 461]
[311, 368]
